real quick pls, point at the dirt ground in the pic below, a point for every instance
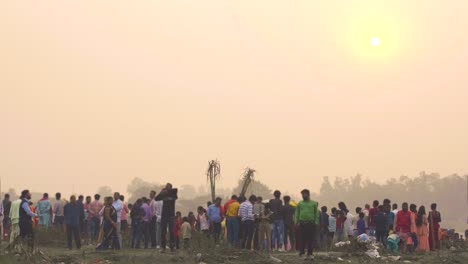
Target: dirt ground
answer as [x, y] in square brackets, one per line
[215, 255]
[51, 249]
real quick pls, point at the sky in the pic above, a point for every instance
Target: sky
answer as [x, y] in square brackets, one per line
[96, 93]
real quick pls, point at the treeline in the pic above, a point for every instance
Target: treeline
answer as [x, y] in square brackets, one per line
[450, 193]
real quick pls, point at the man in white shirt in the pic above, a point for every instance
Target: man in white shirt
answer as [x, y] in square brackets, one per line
[152, 227]
[118, 206]
[158, 207]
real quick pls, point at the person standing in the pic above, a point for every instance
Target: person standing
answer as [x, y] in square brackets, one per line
[80, 203]
[381, 226]
[289, 230]
[247, 221]
[265, 229]
[232, 220]
[372, 213]
[87, 226]
[215, 216]
[276, 206]
[137, 215]
[402, 225]
[44, 211]
[355, 220]
[203, 225]
[414, 236]
[434, 220]
[109, 227]
[58, 212]
[422, 230]
[395, 209]
[33, 209]
[15, 218]
[158, 207]
[72, 214]
[2, 216]
[123, 217]
[177, 228]
[94, 214]
[152, 226]
[366, 214]
[307, 217]
[324, 221]
[258, 209]
[332, 224]
[25, 219]
[169, 196]
[348, 224]
[390, 216]
[146, 222]
[118, 206]
[6, 216]
[361, 224]
[186, 232]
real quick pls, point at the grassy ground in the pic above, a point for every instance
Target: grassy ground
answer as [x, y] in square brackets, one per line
[51, 249]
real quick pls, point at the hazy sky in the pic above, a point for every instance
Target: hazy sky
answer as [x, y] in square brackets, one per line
[99, 92]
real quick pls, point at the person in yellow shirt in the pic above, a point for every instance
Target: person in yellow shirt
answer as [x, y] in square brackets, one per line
[232, 220]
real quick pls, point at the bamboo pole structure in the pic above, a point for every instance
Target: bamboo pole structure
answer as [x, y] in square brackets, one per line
[213, 174]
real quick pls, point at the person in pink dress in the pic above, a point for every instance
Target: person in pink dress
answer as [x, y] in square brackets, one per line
[422, 230]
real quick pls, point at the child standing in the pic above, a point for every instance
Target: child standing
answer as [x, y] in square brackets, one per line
[202, 221]
[264, 226]
[361, 224]
[177, 227]
[186, 230]
[332, 224]
[340, 232]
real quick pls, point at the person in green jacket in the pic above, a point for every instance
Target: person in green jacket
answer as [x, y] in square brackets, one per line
[307, 217]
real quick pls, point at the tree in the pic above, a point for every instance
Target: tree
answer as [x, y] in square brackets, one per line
[213, 173]
[326, 187]
[105, 191]
[255, 187]
[247, 179]
[187, 191]
[139, 188]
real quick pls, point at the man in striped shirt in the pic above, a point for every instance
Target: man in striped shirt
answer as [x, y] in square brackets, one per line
[247, 220]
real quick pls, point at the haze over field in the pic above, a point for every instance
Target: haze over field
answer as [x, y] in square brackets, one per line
[96, 93]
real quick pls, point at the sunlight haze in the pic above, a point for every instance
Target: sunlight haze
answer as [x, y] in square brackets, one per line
[93, 92]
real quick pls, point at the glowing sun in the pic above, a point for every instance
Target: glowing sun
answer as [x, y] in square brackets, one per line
[375, 41]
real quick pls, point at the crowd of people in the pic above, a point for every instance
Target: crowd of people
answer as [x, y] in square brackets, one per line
[251, 223]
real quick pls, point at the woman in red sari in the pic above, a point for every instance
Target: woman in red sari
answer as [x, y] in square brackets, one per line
[434, 220]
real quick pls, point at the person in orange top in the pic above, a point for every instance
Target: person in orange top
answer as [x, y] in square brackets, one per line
[422, 230]
[33, 209]
[413, 239]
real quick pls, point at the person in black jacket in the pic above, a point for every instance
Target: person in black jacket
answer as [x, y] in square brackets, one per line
[381, 225]
[169, 196]
[289, 227]
[277, 218]
[25, 219]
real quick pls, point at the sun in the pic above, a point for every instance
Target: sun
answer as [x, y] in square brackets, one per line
[375, 41]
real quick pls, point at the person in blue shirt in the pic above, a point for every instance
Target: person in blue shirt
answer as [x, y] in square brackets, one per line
[390, 216]
[25, 219]
[361, 224]
[215, 215]
[72, 213]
